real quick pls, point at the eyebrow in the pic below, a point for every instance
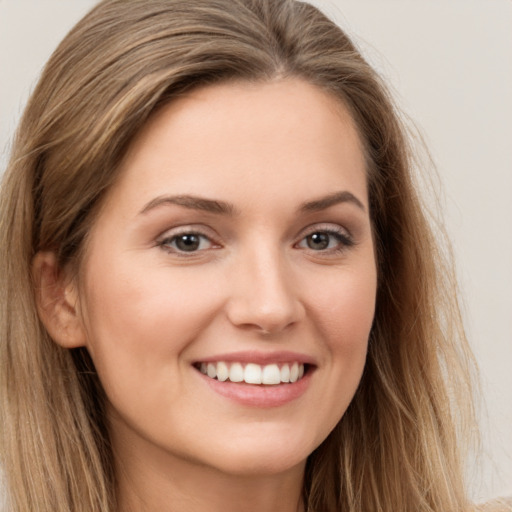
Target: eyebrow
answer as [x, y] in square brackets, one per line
[192, 202]
[331, 200]
[223, 208]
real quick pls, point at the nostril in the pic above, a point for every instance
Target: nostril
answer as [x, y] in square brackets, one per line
[264, 321]
[265, 299]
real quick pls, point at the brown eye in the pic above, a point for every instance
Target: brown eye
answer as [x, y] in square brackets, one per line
[187, 242]
[326, 240]
[318, 241]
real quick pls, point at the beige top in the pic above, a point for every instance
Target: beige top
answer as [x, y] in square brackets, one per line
[498, 505]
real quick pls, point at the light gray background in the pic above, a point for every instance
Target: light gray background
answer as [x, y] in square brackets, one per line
[449, 63]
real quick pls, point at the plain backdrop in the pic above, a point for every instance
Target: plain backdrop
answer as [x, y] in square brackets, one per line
[449, 63]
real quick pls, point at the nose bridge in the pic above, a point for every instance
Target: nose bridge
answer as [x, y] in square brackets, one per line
[264, 297]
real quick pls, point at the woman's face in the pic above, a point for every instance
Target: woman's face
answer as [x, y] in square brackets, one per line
[236, 248]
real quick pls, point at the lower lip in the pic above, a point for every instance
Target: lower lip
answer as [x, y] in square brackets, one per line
[257, 395]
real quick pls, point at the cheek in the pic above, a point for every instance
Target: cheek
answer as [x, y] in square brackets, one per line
[345, 308]
[140, 319]
[343, 315]
[158, 303]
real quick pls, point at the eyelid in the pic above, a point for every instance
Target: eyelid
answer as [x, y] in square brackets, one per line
[329, 227]
[345, 238]
[189, 229]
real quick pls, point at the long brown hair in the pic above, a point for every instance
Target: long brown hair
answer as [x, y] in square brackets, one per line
[396, 447]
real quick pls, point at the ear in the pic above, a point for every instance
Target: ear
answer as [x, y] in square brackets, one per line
[57, 301]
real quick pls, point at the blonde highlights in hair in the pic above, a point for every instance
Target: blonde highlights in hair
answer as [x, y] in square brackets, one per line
[396, 447]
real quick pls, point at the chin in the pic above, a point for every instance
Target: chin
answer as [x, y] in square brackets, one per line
[264, 456]
[254, 466]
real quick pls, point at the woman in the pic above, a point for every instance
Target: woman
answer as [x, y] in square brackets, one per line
[219, 285]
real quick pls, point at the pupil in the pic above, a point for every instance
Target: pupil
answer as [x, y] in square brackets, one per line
[318, 241]
[187, 242]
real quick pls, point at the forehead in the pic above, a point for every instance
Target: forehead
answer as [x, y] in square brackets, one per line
[285, 135]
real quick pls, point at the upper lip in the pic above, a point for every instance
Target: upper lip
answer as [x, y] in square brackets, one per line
[261, 358]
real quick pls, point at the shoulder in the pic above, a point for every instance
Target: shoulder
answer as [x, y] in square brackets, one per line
[497, 505]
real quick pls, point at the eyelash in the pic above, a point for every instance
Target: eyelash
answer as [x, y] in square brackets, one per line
[344, 241]
[343, 238]
[165, 242]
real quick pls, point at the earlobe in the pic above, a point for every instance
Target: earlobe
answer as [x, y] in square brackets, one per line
[57, 301]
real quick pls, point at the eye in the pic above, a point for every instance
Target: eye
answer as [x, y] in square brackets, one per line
[187, 242]
[326, 240]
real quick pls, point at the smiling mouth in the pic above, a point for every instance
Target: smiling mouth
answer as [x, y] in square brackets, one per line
[251, 373]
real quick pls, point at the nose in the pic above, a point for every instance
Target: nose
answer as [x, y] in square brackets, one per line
[264, 296]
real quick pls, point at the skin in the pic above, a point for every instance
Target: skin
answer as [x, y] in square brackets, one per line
[147, 312]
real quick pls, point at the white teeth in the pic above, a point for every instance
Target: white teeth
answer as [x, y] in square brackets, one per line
[222, 371]
[236, 373]
[252, 374]
[270, 374]
[285, 373]
[294, 372]
[211, 370]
